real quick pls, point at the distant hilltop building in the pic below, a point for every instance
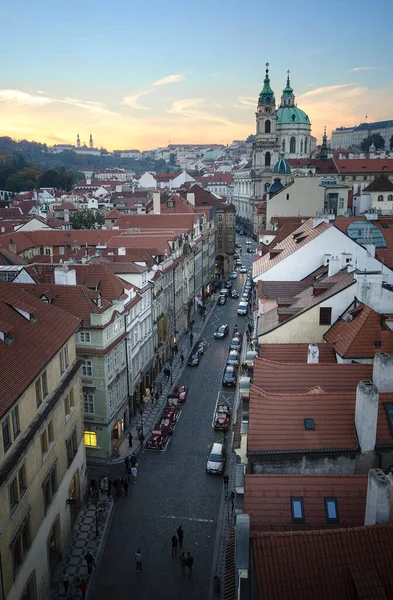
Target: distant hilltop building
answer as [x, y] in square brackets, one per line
[345, 137]
[79, 148]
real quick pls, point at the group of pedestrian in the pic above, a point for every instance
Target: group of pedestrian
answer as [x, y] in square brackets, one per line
[177, 540]
[79, 584]
[186, 562]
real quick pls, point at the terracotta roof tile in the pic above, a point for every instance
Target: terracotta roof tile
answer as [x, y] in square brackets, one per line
[295, 353]
[34, 343]
[325, 565]
[363, 165]
[380, 184]
[278, 289]
[360, 333]
[267, 499]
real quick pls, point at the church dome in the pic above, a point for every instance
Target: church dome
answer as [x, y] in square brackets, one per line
[276, 186]
[282, 166]
[291, 115]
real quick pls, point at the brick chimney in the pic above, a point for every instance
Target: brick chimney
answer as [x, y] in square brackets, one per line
[366, 414]
[378, 498]
[383, 372]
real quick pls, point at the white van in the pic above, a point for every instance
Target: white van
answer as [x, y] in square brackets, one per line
[242, 308]
[216, 459]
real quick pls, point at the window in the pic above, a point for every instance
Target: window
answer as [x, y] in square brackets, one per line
[109, 363]
[390, 198]
[44, 443]
[38, 392]
[17, 488]
[72, 447]
[325, 315]
[87, 368]
[47, 251]
[90, 438]
[267, 159]
[331, 509]
[283, 146]
[64, 362]
[342, 177]
[14, 495]
[297, 509]
[353, 177]
[380, 198]
[84, 337]
[309, 424]
[267, 126]
[6, 433]
[21, 544]
[341, 203]
[292, 145]
[305, 145]
[49, 486]
[51, 435]
[364, 177]
[69, 402]
[389, 414]
[219, 217]
[30, 590]
[88, 403]
[44, 381]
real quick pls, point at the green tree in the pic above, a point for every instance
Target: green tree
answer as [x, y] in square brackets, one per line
[49, 179]
[172, 158]
[84, 219]
[24, 180]
[375, 139]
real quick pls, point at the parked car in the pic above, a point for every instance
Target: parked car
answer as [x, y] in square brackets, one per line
[224, 292]
[180, 392]
[234, 294]
[242, 308]
[228, 284]
[237, 334]
[239, 263]
[236, 255]
[200, 347]
[233, 358]
[193, 359]
[233, 275]
[216, 460]
[248, 242]
[243, 269]
[244, 298]
[222, 300]
[235, 344]
[222, 418]
[250, 250]
[238, 245]
[221, 331]
[229, 379]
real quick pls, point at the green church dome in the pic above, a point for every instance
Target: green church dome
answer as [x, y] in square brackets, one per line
[287, 115]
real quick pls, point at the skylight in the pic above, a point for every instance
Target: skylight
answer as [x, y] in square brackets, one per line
[331, 509]
[309, 424]
[297, 509]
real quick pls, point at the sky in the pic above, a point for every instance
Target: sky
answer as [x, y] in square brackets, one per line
[145, 74]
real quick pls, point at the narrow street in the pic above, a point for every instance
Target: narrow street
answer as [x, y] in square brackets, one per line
[173, 489]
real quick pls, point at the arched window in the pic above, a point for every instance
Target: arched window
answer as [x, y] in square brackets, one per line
[305, 145]
[267, 126]
[380, 198]
[292, 145]
[390, 197]
[301, 146]
[267, 159]
[283, 146]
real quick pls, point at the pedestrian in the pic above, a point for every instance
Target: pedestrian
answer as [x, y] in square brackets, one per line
[180, 535]
[226, 482]
[109, 488]
[182, 358]
[134, 473]
[133, 459]
[183, 563]
[174, 545]
[157, 396]
[138, 560]
[82, 587]
[66, 580]
[176, 349]
[126, 463]
[191, 338]
[130, 440]
[125, 485]
[189, 563]
[89, 558]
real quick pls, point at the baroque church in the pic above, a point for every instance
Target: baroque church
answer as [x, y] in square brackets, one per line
[282, 132]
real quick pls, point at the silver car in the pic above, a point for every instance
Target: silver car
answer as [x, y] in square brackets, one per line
[233, 358]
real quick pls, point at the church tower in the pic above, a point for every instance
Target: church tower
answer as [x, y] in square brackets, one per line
[78, 141]
[323, 155]
[266, 147]
[91, 142]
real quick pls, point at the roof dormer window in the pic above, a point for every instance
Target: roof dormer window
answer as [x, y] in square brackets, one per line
[331, 509]
[297, 509]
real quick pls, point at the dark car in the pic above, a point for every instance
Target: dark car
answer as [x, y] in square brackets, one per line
[180, 392]
[229, 379]
[234, 294]
[228, 284]
[221, 331]
[221, 301]
[199, 348]
[250, 251]
[238, 245]
[193, 359]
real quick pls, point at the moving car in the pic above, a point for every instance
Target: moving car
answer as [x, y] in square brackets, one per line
[248, 242]
[180, 392]
[222, 418]
[234, 294]
[224, 292]
[200, 347]
[238, 245]
[233, 358]
[216, 459]
[235, 344]
[221, 331]
[229, 379]
[242, 308]
[239, 263]
[222, 300]
[193, 359]
[250, 250]
[243, 268]
[228, 284]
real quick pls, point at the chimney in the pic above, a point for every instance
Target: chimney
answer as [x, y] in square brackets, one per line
[157, 203]
[378, 498]
[313, 354]
[65, 276]
[66, 214]
[334, 266]
[12, 246]
[383, 372]
[191, 198]
[366, 414]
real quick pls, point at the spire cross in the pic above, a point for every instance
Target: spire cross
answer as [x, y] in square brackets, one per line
[288, 72]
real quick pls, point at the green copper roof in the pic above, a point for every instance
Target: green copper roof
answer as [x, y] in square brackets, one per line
[282, 166]
[291, 114]
[288, 91]
[267, 94]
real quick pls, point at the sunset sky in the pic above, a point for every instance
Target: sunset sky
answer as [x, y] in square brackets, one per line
[143, 74]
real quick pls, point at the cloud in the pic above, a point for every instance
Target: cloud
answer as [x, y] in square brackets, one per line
[190, 107]
[169, 79]
[245, 102]
[363, 69]
[23, 98]
[88, 105]
[326, 89]
[312, 53]
[132, 101]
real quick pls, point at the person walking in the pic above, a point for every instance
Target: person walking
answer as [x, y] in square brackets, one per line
[89, 558]
[189, 563]
[134, 473]
[180, 535]
[174, 545]
[130, 440]
[225, 481]
[83, 587]
[157, 396]
[66, 580]
[182, 358]
[183, 563]
[125, 485]
[191, 338]
[133, 459]
[138, 560]
[127, 464]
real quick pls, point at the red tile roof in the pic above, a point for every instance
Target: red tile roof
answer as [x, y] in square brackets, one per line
[281, 289]
[322, 167]
[162, 222]
[286, 377]
[380, 184]
[267, 499]
[276, 422]
[363, 165]
[295, 353]
[340, 564]
[360, 333]
[34, 343]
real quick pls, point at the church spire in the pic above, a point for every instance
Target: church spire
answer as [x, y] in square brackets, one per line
[91, 141]
[78, 141]
[323, 155]
[267, 94]
[288, 97]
